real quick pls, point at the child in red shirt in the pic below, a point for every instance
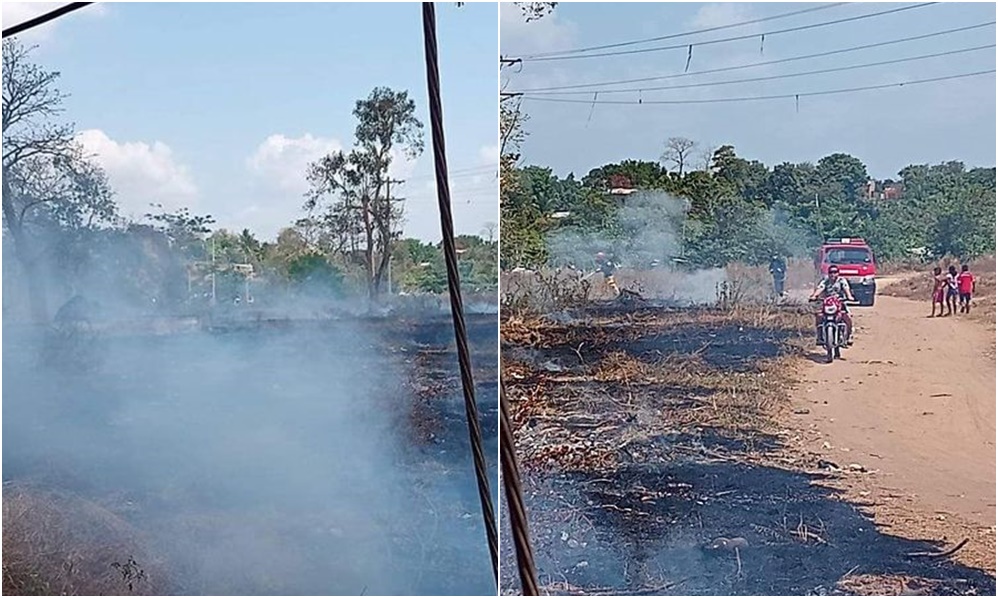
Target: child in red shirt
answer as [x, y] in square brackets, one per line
[967, 284]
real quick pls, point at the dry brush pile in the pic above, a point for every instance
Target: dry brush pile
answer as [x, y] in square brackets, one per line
[56, 544]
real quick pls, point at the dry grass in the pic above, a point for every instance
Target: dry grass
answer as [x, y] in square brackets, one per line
[607, 405]
[547, 290]
[542, 291]
[56, 544]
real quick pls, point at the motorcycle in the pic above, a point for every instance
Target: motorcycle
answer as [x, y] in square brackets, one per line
[833, 329]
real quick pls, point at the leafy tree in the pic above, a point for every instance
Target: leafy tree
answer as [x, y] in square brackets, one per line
[631, 174]
[535, 10]
[352, 192]
[312, 274]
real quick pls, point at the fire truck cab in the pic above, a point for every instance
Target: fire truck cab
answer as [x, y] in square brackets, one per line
[856, 264]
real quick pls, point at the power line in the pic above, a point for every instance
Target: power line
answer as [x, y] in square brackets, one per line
[736, 38]
[756, 98]
[687, 33]
[454, 284]
[772, 77]
[45, 18]
[765, 63]
[461, 173]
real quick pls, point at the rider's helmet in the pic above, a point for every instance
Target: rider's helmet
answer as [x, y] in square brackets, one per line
[833, 272]
[600, 257]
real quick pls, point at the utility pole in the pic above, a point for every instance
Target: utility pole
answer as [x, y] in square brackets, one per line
[388, 218]
[817, 209]
[213, 271]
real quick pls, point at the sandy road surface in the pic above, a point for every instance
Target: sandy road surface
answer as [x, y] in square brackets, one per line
[914, 398]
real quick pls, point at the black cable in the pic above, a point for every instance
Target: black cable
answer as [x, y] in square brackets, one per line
[736, 38]
[45, 18]
[514, 499]
[688, 33]
[454, 282]
[773, 77]
[766, 63]
[755, 98]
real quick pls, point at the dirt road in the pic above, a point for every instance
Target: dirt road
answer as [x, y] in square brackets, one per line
[914, 399]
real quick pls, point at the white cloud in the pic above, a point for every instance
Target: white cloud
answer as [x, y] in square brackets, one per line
[278, 165]
[721, 14]
[284, 160]
[401, 167]
[14, 13]
[489, 155]
[141, 173]
[546, 34]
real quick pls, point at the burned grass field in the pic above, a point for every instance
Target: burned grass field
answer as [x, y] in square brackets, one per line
[311, 457]
[653, 462]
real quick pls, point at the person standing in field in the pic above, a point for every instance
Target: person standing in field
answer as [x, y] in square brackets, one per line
[951, 290]
[778, 270]
[938, 290]
[966, 285]
[608, 268]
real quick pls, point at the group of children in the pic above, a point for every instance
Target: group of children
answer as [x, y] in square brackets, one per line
[950, 286]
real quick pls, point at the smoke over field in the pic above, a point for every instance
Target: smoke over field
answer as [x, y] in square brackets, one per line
[327, 457]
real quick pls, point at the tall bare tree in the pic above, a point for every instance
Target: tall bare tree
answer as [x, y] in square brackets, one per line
[705, 158]
[48, 185]
[677, 152]
[360, 184]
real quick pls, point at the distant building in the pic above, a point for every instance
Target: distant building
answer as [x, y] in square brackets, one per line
[892, 192]
[883, 190]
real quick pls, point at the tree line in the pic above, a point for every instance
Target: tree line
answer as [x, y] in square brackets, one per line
[739, 209]
[63, 227]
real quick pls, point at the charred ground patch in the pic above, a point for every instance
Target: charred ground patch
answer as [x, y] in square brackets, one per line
[641, 449]
[658, 528]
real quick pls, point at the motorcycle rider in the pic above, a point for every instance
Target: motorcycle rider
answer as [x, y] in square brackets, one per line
[833, 284]
[606, 266]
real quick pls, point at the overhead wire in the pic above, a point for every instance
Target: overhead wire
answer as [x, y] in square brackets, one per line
[689, 33]
[764, 63]
[460, 174]
[44, 18]
[513, 489]
[454, 283]
[773, 77]
[758, 98]
[734, 38]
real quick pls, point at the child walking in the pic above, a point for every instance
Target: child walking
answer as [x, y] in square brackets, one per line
[967, 285]
[951, 290]
[938, 291]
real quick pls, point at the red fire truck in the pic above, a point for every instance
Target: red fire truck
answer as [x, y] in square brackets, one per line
[856, 264]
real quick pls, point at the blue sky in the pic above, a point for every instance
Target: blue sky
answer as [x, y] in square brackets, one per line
[219, 107]
[888, 129]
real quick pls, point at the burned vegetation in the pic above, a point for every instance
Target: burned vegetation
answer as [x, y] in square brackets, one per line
[654, 463]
